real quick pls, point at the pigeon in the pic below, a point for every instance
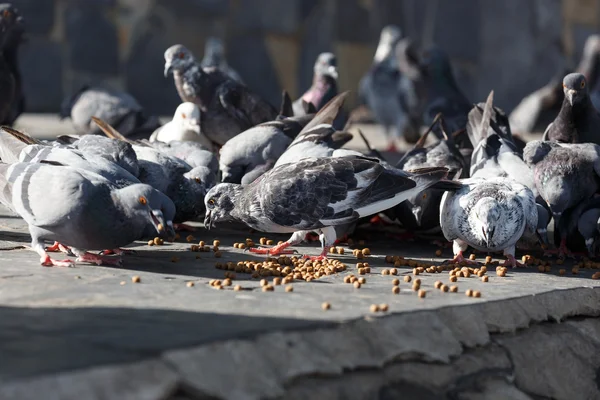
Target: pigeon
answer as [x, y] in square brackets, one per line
[214, 57]
[565, 175]
[538, 109]
[12, 26]
[443, 94]
[80, 209]
[488, 215]
[192, 153]
[185, 126]
[379, 87]
[257, 148]
[412, 90]
[318, 138]
[315, 195]
[588, 224]
[170, 175]
[324, 85]
[114, 150]
[421, 212]
[578, 121]
[119, 109]
[227, 107]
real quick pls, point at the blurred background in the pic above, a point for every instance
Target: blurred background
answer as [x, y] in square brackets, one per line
[511, 46]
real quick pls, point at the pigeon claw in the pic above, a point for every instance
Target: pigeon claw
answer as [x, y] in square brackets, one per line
[321, 256]
[459, 259]
[311, 237]
[273, 251]
[57, 247]
[512, 262]
[49, 262]
[99, 259]
[117, 252]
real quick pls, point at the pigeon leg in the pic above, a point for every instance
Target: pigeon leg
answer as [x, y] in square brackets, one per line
[562, 250]
[311, 237]
[327, 236]
[118, 252]
[98, 259]
[343, 239]
[459, 246]
[377, 220]
[296, 238]
[510, 258]
[184, 227]
[45, 259]
[56, 247]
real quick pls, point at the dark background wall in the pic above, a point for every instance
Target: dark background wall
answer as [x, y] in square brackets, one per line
[512, 46]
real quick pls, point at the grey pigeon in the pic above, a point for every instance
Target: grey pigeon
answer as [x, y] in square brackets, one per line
[258, 147]
[12, 26]
[578, 121]
[588, 224]
[315, 195]
[116, 151]
[443, 93]
[538, 109]
[193, 154]
[118, 108]
[565, 176]
[214, 57]
[379, 87]
[185, 126]
[80, 209]
[171, 175]
[488, 215]
[324, 84]
[318, 138]
[421, 212]
[227, 107]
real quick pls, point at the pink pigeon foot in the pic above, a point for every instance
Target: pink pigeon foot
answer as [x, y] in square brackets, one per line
[118, 252]
[56, 247]
[46, 261]
[273, 251]
[99, 259]
[512, 262]
[459, 258]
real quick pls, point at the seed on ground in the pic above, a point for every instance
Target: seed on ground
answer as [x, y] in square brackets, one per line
[393, 271]
[374, 308]
[469, 293]
[150, 242]
[237, 288]
[362, 281]
[385, 272]
[366, 251]
[226, 282]
[454, 289]
[472, 257]
[575, 271]
[383, 307]
[488, 259]
[438, 253]
[277, 281]
[268, 288]
[395, 289]
[484, 278]
[444, 288]
[158, 241]
[416, 271]
[416, 286]
[325, 306]
[453, 278]
[437, 284]
[289, 288]
[264, 282]
[422, 293]
[190, 284]
[407, 278]
[218, 254]
[562, 271]
[190, 238]
[122, 283]
[136, 279]
[395, 281]
[357, 284]
[201, 244]
[476, 293]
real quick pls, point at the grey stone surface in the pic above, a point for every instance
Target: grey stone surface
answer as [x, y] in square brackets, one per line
[92, 38]
[41, 64]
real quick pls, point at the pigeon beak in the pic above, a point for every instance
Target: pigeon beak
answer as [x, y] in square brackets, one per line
[208, 223]
[158, 220]
[570, 93]
[168, 69]
[171, 229]
[418, 213]
[332, 71]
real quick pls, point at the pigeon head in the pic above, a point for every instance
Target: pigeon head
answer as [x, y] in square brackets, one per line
[487, 214]
[387, 42]
[326, 65]
[202, 176]
[144, 203]
[188, 115]
[557, 192]
[214, 52]
[178, 58]
[575, 88]
[220, 201]
[536, 150]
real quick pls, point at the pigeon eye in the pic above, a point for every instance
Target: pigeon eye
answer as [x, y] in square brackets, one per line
[211, 202]
[6, 13]
[197, 180]
[181, 55]
[183, 116]
[582, 84]
[143, 200]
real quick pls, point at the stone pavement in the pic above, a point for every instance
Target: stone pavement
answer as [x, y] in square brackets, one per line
[91, 333]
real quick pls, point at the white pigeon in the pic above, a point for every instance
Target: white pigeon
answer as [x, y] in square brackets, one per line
[185, 127]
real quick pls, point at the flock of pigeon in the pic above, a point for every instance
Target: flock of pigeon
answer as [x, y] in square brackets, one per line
[228, 155]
